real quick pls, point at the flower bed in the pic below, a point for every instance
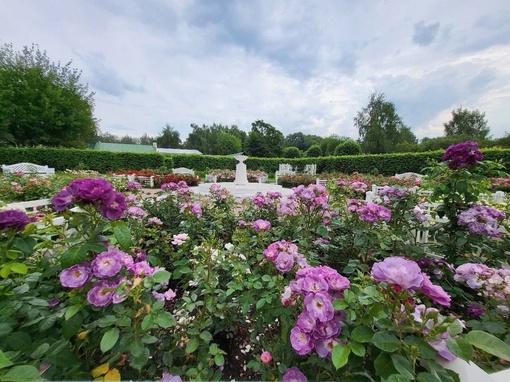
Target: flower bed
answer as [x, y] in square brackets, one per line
[321, 285]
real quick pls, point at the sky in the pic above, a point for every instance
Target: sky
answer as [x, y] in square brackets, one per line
[301, 65]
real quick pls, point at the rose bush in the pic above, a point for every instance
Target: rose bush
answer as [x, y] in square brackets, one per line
[320, 285]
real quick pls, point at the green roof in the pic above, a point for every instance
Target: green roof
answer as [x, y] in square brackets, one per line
[125, 148]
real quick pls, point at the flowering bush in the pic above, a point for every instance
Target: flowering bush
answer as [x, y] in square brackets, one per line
[319, 285]
[23, 188]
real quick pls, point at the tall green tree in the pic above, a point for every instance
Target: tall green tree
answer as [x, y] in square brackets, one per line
[379, 126]
[207, 138]
[169, 138]
[147, 139]
[264, 140]
[471, 123]
[227, 144]
[43, 103]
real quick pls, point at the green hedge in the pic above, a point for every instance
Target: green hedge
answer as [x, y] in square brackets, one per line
[103, 161]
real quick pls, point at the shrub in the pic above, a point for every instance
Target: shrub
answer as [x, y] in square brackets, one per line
[291, 152]
[313, 151]
[348, 147]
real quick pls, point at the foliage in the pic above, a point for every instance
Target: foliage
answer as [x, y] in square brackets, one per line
[348, 147]
[470, 123]
[313, 152]
[264, 140]
[271, 271]
[380, 127]
[169, 138]
[21, 188]
[211, 140]
[301, 141]
[291, 152]
[43, 103]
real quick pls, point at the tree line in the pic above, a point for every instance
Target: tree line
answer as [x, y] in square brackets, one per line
[44, 103]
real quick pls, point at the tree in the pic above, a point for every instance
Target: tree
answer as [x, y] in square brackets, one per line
[147, 140]
[227, 144]
[169, 138]
[107, 138]
[348, 147]
[467, 122]
[43, 103]
[291, 152]
[313, 152]
[206, 138]
[380, 127]
[129, 140]
[264, 141]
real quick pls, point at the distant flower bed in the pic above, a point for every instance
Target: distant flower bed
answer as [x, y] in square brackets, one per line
[230, 175]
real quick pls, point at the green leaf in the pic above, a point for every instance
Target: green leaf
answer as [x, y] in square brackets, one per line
[21, 373]
[340, 304]
[107, 320]
[489, 343]
[357, 348]
[386, 341]
[72, 310]
[340, 355]
[73, 255]
[123, 235]
[427, 377]
[213, 349]
[192, 345]
[165, 320]
[206, 336]
[109, 339]
[397, 378]
[4, 361]
[461, 348]
[72, 326]
[426, 351]
[461, 186]
[25, 244]
[136, 348]
[403, 366]
[384, 366]
[20, 268]
[147, 322]
[219, 360]
[40, 351]
[362, 334]
[161, 276]
[455, 328]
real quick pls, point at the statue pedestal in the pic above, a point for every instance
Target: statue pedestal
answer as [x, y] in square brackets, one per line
[241, 174]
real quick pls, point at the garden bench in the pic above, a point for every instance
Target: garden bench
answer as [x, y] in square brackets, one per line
[321, 182]
[283, 169]
[183, 170]
[31, 206]
[28, 168]
[310, 169]
[211, 178]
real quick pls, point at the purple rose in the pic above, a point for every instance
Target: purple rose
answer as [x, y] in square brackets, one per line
[284, 262]
[63, 200]
[462, 155]
[319, 306]
[113, 206]
[14, 218]
[293, 374]
[398, 271]
[261, 225]
[94, 189]
[108, 264]
[102, 293]
[76, 276]
[475, 310]
[166, 377]
[301, 341]
[435, 292]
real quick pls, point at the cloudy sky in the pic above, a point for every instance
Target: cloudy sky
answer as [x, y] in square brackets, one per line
[300, 65]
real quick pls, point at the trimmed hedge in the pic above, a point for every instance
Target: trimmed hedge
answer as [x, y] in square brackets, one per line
[103, 161]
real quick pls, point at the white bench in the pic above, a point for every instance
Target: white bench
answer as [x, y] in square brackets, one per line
[27, 168]
[283, 169]
[183, 170]
[310, 169]
[31, 206]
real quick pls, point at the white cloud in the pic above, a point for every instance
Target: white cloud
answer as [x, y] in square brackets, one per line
[302, 66]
